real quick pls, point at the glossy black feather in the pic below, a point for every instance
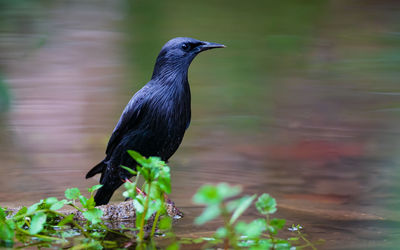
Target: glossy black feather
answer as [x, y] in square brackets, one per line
[155, 119]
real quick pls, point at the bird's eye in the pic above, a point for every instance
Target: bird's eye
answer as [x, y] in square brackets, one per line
[186, 47]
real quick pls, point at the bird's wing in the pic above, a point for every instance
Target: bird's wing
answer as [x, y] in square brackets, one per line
[131, 116]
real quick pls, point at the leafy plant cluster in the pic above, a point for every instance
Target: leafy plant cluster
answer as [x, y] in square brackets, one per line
[152, 201]
[260, 233]
[43, 225]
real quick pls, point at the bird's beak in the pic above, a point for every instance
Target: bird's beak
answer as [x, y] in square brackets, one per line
[209, 45]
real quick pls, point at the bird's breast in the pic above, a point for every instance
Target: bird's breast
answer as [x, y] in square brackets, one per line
[173, 116]
[167, 118]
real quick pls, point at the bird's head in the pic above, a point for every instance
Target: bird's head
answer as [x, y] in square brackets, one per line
[178, 53]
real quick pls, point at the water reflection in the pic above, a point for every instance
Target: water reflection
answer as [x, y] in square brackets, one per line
[303, 104]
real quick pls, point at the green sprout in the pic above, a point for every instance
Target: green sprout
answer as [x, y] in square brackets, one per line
[257, 234]
[157, 183]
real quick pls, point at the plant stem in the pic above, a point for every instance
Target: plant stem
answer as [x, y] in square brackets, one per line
[113, 231]
[153, 229]
[271, 236]
[76, 207]
[229, 228]
[146, 207]
[306, 240]
[25, 215]
[135, 183]
[58, 214]
[43, 237]
[87, 235]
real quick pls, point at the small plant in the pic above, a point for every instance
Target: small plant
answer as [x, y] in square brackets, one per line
[260, 233]
[42, 223]
[152, 201]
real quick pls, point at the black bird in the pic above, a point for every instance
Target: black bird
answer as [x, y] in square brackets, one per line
[155, 119]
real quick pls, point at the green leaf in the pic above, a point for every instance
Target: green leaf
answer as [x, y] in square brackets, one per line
[206, 194]
[50, 201]
[93, 215]
[165, 223]
[138, 203]
[34, 207]
[131, 171]
[198, 240]
[221, 233]
[164, 180]
[275, 225]
[211, 212]
[154, 206]
[96, 234]
[281, 244]
[37, 223]
[83, 201]
[137, 157]
[11, 224]
[145, 172]
[6, 233]
[156, 193]
[210, 194]
[173, 246]
[94, 188]
[130, 190]
[246, 243]
[265, 204]
[244, 203]
[90, 203]
[57, 205]
[3, 215]
[6, 228]
[226, 191]
[278, 223]
[253, 229]
[21, 211]
[67, 219]
[69, 233]
[262, 245]
[72, 193]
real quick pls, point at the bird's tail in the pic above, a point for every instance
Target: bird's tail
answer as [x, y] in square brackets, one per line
[99, 168]
[110, 181]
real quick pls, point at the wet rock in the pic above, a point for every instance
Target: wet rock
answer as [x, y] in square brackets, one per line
[116, 213]
[126, 211]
